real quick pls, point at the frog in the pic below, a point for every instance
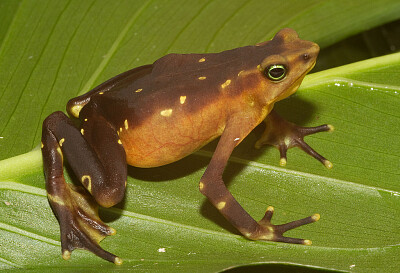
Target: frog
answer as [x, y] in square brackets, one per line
[159, 113]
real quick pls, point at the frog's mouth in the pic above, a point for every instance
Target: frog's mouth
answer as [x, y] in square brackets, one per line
[292, 89]
[297, 83]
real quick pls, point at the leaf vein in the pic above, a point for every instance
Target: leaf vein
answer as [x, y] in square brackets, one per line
[38, 125]
[113, 48]
[28, 234]
[224, 24]
[297, 173]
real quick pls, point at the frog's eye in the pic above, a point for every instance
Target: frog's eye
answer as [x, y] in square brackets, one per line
[275, 72]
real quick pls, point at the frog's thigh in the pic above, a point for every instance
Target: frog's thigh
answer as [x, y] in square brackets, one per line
[109, 181]
[95, 156]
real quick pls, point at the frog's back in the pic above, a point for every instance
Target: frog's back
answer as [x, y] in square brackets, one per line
[217, 66]
[194, 77]
[198, 76]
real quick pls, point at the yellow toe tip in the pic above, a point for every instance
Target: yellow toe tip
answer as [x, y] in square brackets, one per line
[66, 255]
[270, 208]
[331, 128]
[307, 242]
[316, 217]
[328, 164]
[118, 261]
[112, 231]
[282, 162]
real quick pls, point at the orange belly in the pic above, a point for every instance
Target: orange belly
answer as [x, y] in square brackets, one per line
[168, 136]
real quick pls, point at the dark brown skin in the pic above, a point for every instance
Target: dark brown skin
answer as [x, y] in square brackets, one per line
[157, 114]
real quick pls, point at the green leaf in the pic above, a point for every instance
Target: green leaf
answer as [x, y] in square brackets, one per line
[53, 50]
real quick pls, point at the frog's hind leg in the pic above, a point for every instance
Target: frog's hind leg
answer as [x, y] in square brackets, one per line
[284, 135]
[75, 209]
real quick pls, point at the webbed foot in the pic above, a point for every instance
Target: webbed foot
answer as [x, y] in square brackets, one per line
[80, 224]
[284, 135]
[269, 232]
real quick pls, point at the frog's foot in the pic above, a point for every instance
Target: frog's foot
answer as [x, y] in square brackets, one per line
[80, 224]
[284, 135]
[269, 232]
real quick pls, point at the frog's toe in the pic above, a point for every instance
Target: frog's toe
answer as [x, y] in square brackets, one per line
[80, 225]
[284, 135]
[269, 232]
[74, 238]
[305, 147]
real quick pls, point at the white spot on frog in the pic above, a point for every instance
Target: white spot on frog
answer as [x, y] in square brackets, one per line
[166, 112]
[225, 84]
[182, 99]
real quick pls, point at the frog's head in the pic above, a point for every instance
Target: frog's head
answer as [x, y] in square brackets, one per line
[290, 59]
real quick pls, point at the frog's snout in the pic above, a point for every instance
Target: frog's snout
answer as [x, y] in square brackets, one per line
[311, 54]
[314, 49]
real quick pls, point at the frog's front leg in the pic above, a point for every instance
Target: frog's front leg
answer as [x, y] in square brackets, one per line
[98, 161]
[284, 135]
[213, 187]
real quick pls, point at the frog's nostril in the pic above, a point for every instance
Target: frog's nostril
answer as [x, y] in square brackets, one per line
[306, 56]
